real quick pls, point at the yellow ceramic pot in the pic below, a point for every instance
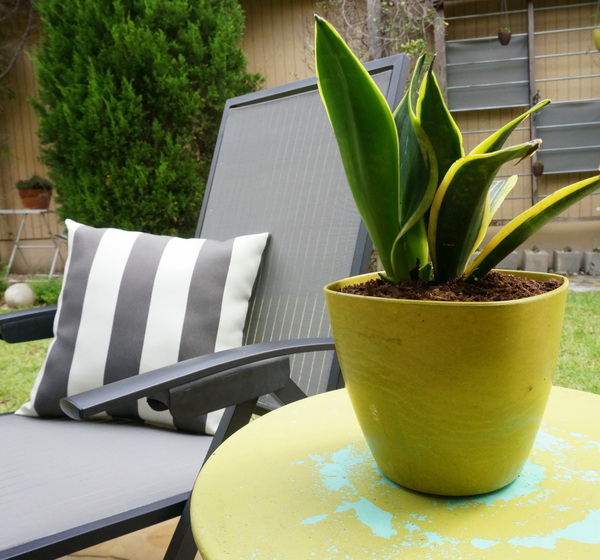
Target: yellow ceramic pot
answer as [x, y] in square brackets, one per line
[449, 395]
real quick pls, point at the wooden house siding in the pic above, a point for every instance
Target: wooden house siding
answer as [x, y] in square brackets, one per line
[277, 40]
[19, 159]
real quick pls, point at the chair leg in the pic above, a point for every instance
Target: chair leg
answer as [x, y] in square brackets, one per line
[234, 418]
[182, 545]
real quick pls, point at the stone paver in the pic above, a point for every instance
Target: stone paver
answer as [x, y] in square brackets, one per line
[584, 283]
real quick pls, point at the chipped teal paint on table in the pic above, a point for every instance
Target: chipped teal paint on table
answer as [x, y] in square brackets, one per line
[300, 483]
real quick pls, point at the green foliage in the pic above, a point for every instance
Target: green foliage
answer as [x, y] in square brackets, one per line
[425, 204]
[404, 26]
[35, 182]
[20, 364]
[46, 291]
[414, 47]
[579, 357]
[375, 30]
[131, 96]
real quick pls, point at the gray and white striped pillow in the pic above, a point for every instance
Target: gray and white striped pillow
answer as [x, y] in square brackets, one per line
[132, 302]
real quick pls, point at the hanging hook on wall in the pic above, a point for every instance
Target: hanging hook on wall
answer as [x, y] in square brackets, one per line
[504, 13]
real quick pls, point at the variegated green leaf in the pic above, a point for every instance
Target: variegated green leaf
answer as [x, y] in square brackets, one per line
[418, 162]
[523, 226]
[460, 206]
[366, 135]
[497, 140]
[439, 125]
[499, 190]
[418, 178]
[411, 253]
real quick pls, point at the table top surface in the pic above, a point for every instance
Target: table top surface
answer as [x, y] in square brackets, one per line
[301, 483]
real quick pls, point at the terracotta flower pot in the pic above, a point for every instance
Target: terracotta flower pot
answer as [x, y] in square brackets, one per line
[35, 199]
[449, 395]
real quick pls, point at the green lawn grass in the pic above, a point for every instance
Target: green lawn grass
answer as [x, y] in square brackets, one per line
[579, 361]
[578, 365]
[19, 366]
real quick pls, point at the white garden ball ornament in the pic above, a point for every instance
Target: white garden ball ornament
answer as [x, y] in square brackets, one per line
[19, 295]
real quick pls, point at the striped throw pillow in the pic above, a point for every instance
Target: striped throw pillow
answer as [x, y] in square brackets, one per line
[132, 302]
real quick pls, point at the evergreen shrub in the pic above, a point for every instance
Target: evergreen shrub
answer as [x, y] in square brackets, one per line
[130, 99]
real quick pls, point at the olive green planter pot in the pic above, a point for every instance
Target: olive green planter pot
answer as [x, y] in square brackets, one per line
[449, 396]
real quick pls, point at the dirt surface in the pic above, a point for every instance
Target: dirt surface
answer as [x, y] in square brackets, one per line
[493, 286]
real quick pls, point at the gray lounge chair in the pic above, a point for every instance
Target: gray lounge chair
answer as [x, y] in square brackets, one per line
[67, 485]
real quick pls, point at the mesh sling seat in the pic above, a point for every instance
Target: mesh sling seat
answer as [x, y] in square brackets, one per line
[68, 485]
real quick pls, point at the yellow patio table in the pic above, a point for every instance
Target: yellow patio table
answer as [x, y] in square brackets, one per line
[300, 483]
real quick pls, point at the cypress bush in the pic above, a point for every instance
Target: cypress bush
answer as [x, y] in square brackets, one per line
[130, 100]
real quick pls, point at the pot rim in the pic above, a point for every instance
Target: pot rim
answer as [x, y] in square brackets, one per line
[331, 290]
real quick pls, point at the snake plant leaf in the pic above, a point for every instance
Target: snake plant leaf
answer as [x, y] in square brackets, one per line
[366, 134]
[418, 162]
[418, 182]
[410, 255]
[523, 226]
[439, 125]
[495, 142]
[498, 192]
[460, 206]
[425, 204]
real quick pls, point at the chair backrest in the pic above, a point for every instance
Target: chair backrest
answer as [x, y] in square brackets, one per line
[277, 169]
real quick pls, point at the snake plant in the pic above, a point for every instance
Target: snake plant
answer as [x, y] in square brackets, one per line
[425, 203]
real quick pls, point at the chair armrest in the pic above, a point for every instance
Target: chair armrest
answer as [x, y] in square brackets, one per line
[222, 366]
[27, 324]
[224, 388]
